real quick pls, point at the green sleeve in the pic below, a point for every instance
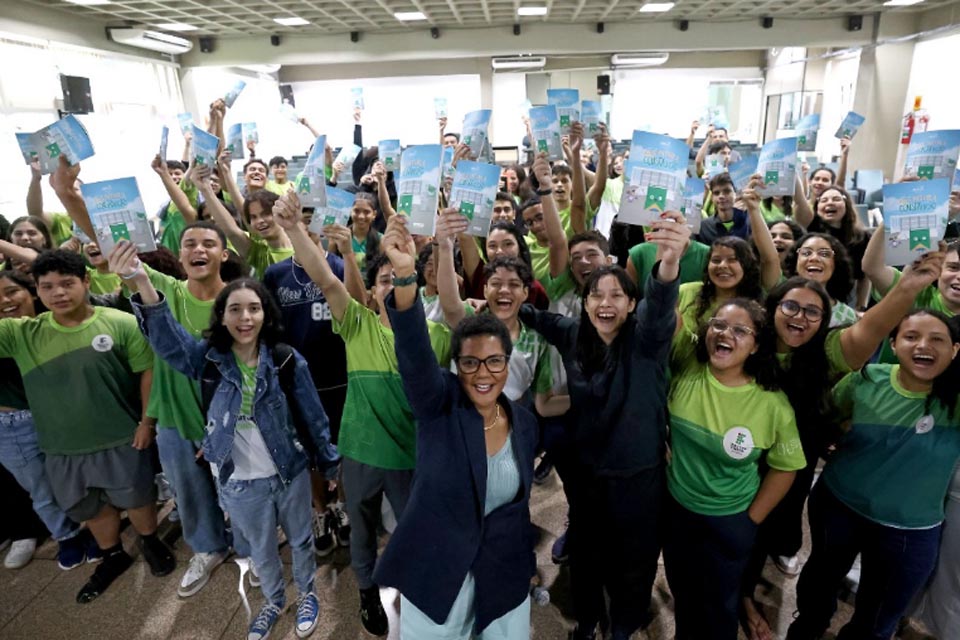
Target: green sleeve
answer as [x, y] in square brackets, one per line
[786, 454]
[139, 353]
[193, 194]
[543, 376]
[352, 324]
[837, 363]
[9, 336]
[440, 341]
[61, 229]
[843, 394]
[558, 287]
[877, 295]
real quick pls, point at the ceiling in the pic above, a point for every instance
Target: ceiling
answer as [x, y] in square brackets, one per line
[252, 17]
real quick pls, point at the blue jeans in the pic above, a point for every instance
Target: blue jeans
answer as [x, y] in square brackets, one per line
[256, 506]
[20, 454]
[193, 485]
[896, 564]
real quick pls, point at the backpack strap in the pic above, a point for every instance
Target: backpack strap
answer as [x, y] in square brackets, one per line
[284, 359]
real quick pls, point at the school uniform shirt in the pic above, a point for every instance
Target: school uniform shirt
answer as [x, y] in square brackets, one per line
[172, 225]
[713, 227]
[685, 340]
[61, 228]
[103, 283]
[250, 455]
[717, 436]
[261, 255]
[693, 263]
[540, 256]
[377, 427]
[529, 365]
[280, 189]
[842, 314]
[80, 381]
[563, 294]
[929, 298]
[895, 464]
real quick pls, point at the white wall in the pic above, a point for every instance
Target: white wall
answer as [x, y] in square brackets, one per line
[941, 97]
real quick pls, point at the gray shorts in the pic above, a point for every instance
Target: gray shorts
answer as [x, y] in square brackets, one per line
[85, 483]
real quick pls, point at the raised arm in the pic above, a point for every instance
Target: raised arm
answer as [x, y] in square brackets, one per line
[802, 211]
[64, 181]
[881, 276]
[449, 224]
[578, 195]
[559, 252]
[227, 181]
[177, 196]
[693, 133]
[556, 329]
[770, 272]
[595, 195]
[702, 151]
[845, 143]
[352, 278]
[187, 141]
[657, 314]
[383, 195]
[222, 218]
[15, 251]
[35, 195]
[313, 132]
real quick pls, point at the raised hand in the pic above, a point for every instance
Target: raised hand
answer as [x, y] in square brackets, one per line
[461, 152]
[845, 143]
[672, 235]
[287, 210]
[159, 165]
[357, 113]
[65, 177]
[542, 171]
[576, 137]
[342, 237]
[397, 244]
[450, 224]
[925, 270]
[123, 259]
[694, 126]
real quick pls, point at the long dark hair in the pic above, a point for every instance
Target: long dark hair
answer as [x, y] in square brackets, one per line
[592, 352]
[761, 365]
[841, 282]
[850, 229]
[515, 232]
[24, 281]
[37, 223]
[748, 287]
[946, 386]
[217, 334]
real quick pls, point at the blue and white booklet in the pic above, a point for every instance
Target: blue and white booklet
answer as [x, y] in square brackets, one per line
[850, 125]
[474, 191]
[474, 132]
[315, 166]
[956, 181]
[164, 137]
[419, 188]
[933, 154]
[65, 137]
[440, 107]
[567, 102]
[348, 153]
[205, 147]
[654, 178]
[914, 218]
[740, 172]
[545, 124]
[356, 95]
[447, 164]
[288, 112]
[234, 92]
[117, 213]
[693, 195]
[778, 166]
[312, 181]
[806, 131]
[713, 165]
[250, 132]
[389, 152]
[591, 115]
[336, 210]
[185, 120]
[235, 141]
[26, 147]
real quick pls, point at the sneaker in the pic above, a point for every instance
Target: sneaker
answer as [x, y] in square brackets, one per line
[72, 552]
[340, 524]
[263, 623]
[198, 573]
[103, 576]
[789, 565]
[174, 515]
[20, 554]
[158, 556]
[323, 541]
[372, 615]
[94, 552]
[558, 553]
[542, 472]
[164, 490]
[308, 614]
[254, 577]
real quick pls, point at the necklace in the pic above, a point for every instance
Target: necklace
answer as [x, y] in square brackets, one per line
[293, 272]
[496, 419]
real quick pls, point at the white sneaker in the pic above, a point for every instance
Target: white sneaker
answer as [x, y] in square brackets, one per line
[254, 576]
[198, 573]
[790, 565]
[20, 554]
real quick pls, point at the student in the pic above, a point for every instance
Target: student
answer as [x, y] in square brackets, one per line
[728, 220]
[616, 365]
[821, 257]
[429, 294]
[102, 280]
[545, 227]
[97, 453]
[178, 212]
[28, 236]
[504, 240]
[824, 176]
[462, 555]
[254, 176]
[505, 209]
[785, 234]
[722, 148]
[715, 136]
[693, 264]
[364, 239]
[258, 451]
[59, 225]
[777, 208]
[279, 184]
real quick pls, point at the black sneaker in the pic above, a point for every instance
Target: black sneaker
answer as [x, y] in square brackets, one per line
[372, 615]
[103, 576]
[323, 541]
[339, 523]
[542, 472]
[158, 556]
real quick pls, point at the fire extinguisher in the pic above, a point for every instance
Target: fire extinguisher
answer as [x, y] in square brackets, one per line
[915, 121]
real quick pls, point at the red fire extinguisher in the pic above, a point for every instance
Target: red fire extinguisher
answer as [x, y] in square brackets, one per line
[915, 121]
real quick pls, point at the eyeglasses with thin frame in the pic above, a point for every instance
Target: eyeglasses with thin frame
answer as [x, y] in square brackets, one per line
[494, 364]
[791, 308]
[739, 331]
[806, 252]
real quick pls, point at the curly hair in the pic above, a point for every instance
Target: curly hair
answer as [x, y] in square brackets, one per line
[841, 282]
[762, 364]
[271, 332]
[749, 285]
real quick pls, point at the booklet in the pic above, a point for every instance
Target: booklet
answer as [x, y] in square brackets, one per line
[448, 168]
[567, 102]
[474, 132]
[250, 132]
[348, 153]
[716, 115]
[185, 120]
[235, 141]
[914, 218]
[956, 181]
[713, 165]
[778, 166]
[440, 107]
[117, 213]
[311, 190]
[337, 210]
[850, 125]
[315, 166]
[231, 96]
[807, 129]
[288, 112]
[545, 125]
[356, 94]
[474, 190]
[591, 114]
[164, 136]
[694, 192]
[64, 137]
[205, 147]
[740, 172]
[389, 151]
[419, 188]
[933, 154]
[654, 178]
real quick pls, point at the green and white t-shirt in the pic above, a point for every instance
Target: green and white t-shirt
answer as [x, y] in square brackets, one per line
[842, 314]
[929, 298]
[563, 294]
[103, 283]
[377, 427]
[529, 365]
[895, 464]
[80, 381]
[261, 255]
[693, 263]
[540, 256]
[717, 435]
[250, 455]
[685, 340]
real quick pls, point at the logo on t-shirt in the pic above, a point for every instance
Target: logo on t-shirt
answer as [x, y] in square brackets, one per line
[925, 424]
[738, 443]
[102, 343]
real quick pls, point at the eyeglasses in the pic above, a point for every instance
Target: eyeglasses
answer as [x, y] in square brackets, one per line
[791, 309]
[739, 331]
[494, 364]
[806, 252]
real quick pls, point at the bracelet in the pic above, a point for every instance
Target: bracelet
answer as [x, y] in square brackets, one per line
[405, 281]
[544, 192]
[133, 274]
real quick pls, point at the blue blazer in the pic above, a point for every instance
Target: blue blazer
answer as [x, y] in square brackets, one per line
[443, 533]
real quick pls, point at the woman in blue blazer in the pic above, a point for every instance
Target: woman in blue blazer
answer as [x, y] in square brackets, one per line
[462, 554]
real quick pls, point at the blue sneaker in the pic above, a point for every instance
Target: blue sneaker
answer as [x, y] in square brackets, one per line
[72, 552]
[263, 623]
[558, 553]
[308, 614]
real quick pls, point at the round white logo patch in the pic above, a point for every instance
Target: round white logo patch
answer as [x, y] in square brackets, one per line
[925, 424]
[102, 343]
[738, 443]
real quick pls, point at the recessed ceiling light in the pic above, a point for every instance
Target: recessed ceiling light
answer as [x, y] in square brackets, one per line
[292, 21]
[176, 26]
[89, 3]
[657, 7]
[531, 11]
[901, 3]
[409, 16]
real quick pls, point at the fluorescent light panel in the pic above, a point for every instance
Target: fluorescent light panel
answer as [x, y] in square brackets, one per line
[293, 21]
[531, 11]
[901, 3]
[176, 26]
[89, 3]
[657, 7]
[409, 16]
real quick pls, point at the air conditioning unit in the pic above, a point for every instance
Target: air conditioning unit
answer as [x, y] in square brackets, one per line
[152, 40]
[513, 63]
[622, 60]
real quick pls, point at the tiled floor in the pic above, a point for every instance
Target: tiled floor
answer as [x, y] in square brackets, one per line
[37, 602]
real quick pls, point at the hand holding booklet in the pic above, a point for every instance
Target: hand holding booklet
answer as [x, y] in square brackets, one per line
[205, 147]
[545, 125]
[473, 193]
[914, 218]
[65, 137]
[418, 190]
[117, 213]
[778, 166]
[567, 102]
[337, 210]
[654, 178]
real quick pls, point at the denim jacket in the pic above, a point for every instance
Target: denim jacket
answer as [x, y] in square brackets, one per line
[189, 356]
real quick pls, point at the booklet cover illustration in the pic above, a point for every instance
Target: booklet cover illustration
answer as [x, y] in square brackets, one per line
[567, 102]
[419, 188]
[337, 210]
[312, 181]
[545, 125]
[778, 166]
[591, 115]
[474, 133]
[234, 92]
[164, 137]
[693, 195]
[440, 107]
[389, 151]
[473, 193]
[807, 129]
[250, 132]
[914, 218]
[713, 165]
[740, 172]
[235, 141]
[933, 154]
[850, 125]
[356, 94]
[65, 137]
[205, 147]
[348, 153]
[185, 120]
[654, 178]
[117, 213]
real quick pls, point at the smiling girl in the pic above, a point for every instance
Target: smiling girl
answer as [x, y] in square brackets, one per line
[820, 257]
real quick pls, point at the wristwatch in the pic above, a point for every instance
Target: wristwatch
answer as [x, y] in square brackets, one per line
[544, 192]
[405, 281]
